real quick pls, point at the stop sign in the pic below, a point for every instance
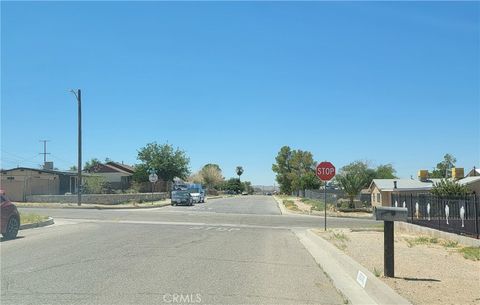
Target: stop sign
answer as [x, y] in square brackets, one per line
[325, 171]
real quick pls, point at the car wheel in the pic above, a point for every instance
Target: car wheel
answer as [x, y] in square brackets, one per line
[12, 228]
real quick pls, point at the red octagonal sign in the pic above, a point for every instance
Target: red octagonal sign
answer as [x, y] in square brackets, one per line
[325, 171]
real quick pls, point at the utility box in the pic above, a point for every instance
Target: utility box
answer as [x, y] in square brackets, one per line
[391, 214]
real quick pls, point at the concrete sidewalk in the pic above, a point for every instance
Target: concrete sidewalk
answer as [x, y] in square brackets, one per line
[344, 271]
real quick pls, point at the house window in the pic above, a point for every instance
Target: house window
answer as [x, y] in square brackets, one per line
[378, 197]
[10, 178]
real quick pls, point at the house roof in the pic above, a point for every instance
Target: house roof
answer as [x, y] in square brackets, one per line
[474, 172]
[124, 167]
[55, 172]
[402, 185]
[109, 168]
[469, 180]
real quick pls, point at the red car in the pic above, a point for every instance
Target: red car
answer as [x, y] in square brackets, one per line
[9, 217]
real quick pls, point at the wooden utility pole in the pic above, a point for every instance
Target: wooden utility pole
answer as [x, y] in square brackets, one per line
[79, 187]
[78, 95]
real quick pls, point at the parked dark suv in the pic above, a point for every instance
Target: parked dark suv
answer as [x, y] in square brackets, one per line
[10, 218]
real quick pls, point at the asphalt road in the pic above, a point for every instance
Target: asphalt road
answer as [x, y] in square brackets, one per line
[226, 251]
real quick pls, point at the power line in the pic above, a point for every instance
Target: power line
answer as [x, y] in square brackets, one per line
[12, 155]
[63, 161]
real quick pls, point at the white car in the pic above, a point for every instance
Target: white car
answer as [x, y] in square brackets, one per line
[198, 195]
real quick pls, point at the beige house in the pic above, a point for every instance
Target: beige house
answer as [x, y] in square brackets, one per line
[473, 183]
[117, 175]
[20, 182]
[382, 189]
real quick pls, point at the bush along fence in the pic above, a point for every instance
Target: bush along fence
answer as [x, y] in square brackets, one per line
[460, 215]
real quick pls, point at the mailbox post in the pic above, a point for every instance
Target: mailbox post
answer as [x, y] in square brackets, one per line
[389, 215]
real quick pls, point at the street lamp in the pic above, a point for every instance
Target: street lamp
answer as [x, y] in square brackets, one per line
[78, 95]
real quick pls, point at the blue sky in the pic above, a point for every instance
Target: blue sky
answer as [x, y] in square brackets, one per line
[230, 83]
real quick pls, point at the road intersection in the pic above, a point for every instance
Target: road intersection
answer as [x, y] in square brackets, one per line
[227, 251]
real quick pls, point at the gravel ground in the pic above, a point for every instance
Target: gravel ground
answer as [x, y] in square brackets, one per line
[427, 273]
[307, 209]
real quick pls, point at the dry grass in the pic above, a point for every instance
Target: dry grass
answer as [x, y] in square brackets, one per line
[32, 218]
[290, 204]
[421, 240]
[423, 265]
[471, 253]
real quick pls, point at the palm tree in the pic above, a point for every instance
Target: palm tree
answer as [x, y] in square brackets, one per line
[239, 170]
[352, 184]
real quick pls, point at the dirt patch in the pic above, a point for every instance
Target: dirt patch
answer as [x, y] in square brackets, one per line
[306, 207]
[428, 271]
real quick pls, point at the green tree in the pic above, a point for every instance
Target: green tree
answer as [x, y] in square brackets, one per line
[310, 181]
[295, 170]
[352, 183]
[140, 173]
[167, 162]
[239, 171]
[196, 178]
[385, 171]
[449, 188]
[73, 168]
[211, 175]
[91, 166]
[247, 187]
[302, 170]
[94, 184]
[216, 166]
[442, 170]
[283, 169]
[362, 170]
[233, 184]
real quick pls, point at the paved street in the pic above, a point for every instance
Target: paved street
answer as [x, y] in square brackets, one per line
[226, 251]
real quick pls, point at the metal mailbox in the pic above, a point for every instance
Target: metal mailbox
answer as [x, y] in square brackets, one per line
[391, 214]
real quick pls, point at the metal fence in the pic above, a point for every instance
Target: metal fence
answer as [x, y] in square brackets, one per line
[332, 195]
[336, 196]
[455, 215]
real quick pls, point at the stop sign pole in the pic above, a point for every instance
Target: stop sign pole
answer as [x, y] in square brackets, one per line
[325, 172]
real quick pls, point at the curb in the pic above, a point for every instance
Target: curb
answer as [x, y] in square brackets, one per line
[280, 205]
[45, 223]
[88, 206]
[97, 207]
[343, 271]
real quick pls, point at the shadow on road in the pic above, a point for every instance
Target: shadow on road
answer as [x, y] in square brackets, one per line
[3, 239]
